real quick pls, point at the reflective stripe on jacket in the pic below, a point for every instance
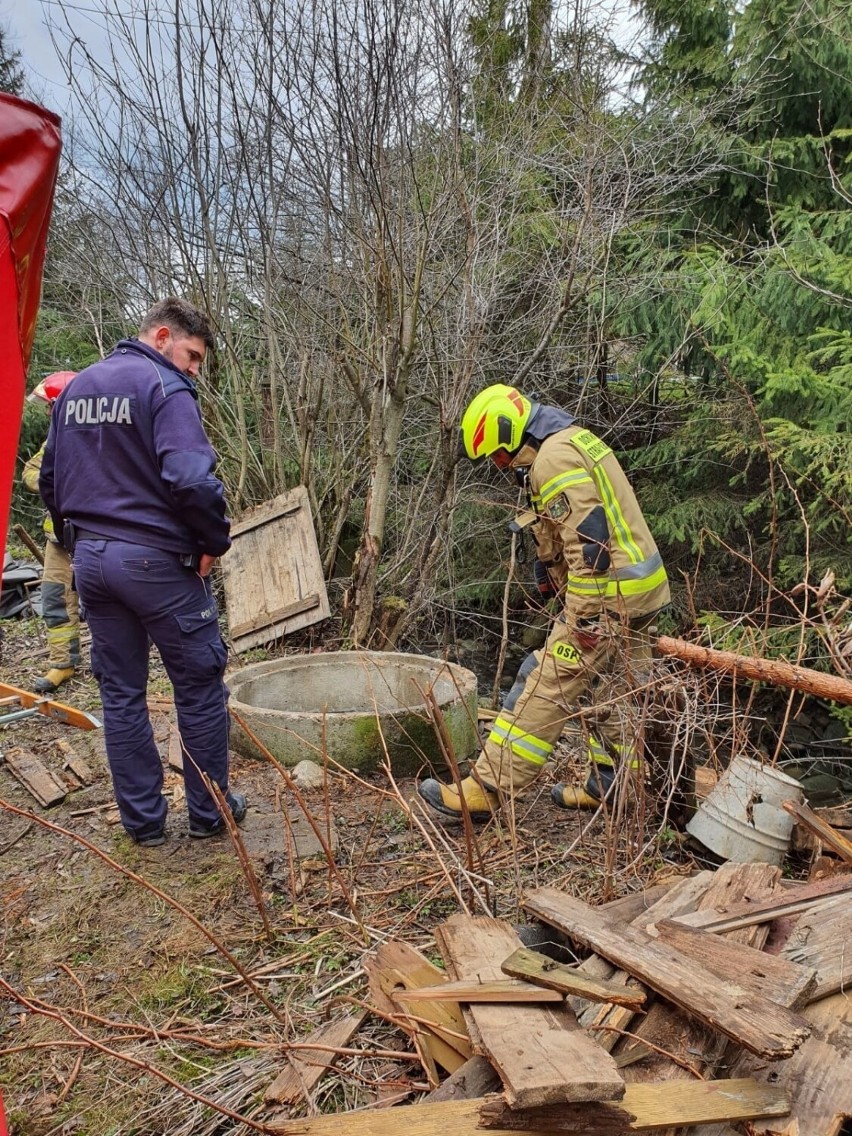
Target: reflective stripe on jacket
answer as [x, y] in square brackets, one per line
[575, 473]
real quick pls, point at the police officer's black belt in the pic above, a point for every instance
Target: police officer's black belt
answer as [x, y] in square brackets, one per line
[86, 534]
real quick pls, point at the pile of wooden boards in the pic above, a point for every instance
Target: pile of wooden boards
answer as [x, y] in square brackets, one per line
[703, 1005]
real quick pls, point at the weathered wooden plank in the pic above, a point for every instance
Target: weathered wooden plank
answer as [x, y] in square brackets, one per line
[270, 618]
[72, 761]
[606, 1021]
[541, 1052]
[816, 1078]
[780, 979]
[824, 832]
[439, 1026]
[803, 897]
[307, 1066]
[26, 768]
[753, 1021]
[822, 940]
[643, 1109]
[653, 1106]
[498, 990]
[543, 971]
[473, 1079]
[684, 1047]
[273, 577]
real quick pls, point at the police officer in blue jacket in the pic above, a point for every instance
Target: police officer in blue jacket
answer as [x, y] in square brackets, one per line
[128, 478]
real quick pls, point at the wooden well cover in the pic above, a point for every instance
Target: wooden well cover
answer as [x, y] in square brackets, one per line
[273, 576]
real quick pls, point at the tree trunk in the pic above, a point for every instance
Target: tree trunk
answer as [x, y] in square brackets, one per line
[777, 672]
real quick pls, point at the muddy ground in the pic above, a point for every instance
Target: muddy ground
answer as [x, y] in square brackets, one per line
[114, 1001]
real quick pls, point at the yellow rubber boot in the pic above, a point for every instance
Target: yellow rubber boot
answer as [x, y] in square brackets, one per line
[573, 797]
[481, 803]
[53, 679]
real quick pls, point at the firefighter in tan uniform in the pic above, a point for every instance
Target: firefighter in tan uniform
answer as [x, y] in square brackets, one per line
[60, 606]
[596, 552]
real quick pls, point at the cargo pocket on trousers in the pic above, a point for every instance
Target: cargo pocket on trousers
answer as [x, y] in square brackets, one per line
[204, 653]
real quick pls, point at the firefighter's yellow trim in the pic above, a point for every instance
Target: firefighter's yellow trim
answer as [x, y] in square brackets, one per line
[597, 754]
[618, 525]
[524, 745]
[607, 588]
[570, 479]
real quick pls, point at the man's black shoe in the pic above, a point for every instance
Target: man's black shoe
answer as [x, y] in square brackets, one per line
[238, 806]
[152, 840]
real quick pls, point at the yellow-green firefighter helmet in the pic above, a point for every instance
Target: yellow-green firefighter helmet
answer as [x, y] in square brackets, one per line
[495, 420]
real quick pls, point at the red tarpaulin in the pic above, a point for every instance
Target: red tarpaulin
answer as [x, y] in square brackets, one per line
[29, 161]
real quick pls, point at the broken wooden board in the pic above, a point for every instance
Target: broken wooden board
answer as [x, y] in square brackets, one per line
[650, 1108]
[541, 1052]
[306, 1066]
[821, 940]
[174, 760]
[839, 818]
[816, 1078]
[606, 1020]
[273, 576]
[58, 711]
[681, 1046]
[543, 971]
[499, 990]
[476, 1078]
[39, 782]
[780, 979]
[72, 761]
[803, 897]
[642, 1109]
[755, 1022]
[821, 829]
[439, 1026]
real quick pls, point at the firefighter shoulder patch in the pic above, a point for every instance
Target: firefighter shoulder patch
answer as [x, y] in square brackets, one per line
[559, 507]
[566, 652]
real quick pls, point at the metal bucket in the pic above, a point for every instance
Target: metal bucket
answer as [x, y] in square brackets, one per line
[742, 819]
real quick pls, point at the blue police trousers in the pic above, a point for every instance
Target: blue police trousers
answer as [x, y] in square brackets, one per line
[130, 593]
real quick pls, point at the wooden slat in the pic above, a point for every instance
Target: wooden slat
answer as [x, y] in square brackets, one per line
[71, 760]
[272, 618]
[679, 1043]
[651, 1107]
[682, 896]
[499, 990]
[307, 1066]
[820, 828]
[539, 969]
[779, 979]
[816, 1078]
[396, 966]
[754, 1022]
[801, 898]
[822, 940]
[542, 1053]
[26, 768]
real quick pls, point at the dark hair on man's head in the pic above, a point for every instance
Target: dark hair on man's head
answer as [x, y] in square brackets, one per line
[179, 316]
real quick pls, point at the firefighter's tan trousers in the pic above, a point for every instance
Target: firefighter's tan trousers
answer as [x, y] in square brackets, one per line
[613, 675]
[60, 608]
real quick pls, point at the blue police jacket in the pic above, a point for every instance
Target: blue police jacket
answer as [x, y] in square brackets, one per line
[127, 456]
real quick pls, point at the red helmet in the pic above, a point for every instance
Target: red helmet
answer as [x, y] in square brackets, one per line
[52, 386]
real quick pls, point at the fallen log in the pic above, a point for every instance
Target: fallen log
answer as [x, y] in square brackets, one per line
[777, 672]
